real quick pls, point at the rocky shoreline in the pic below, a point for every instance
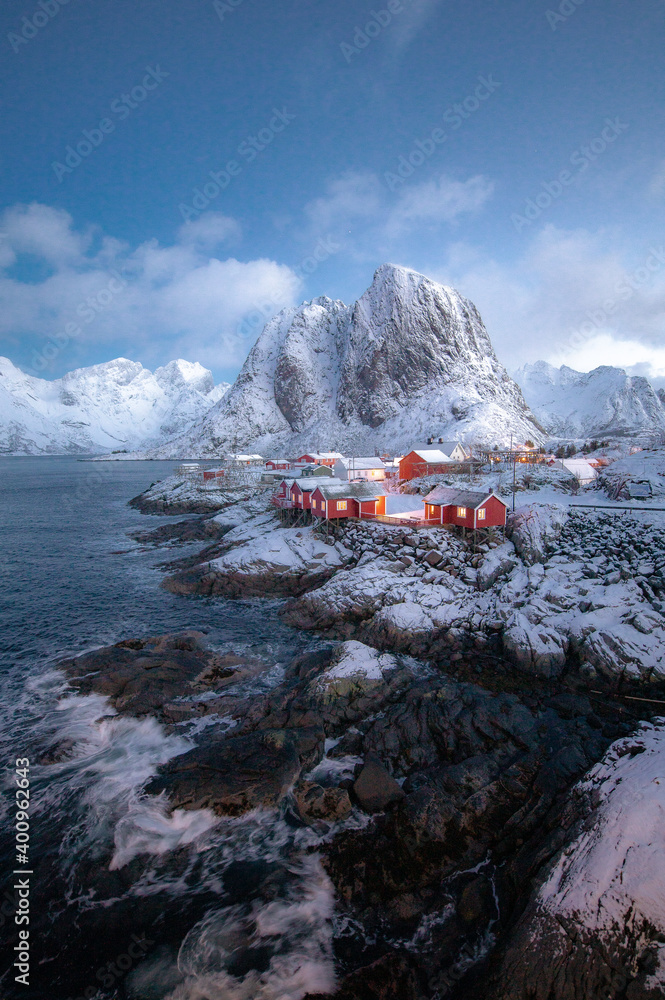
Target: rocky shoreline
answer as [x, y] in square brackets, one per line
[468, 793]
[451, 746]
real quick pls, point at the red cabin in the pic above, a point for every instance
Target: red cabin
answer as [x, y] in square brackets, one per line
[319, 458]
[352, 500]
[465, 508]
[277, 464]
[425, 463]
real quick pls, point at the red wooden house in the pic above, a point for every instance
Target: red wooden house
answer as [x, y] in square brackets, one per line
[465, 508]
[425, 462]
[277, 464]
[319, 458]
[348, 500]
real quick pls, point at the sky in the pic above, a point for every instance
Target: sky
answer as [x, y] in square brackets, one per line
[175, 173]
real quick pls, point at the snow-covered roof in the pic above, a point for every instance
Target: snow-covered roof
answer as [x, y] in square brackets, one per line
[579, 465]
[445, 496]
[447, 447]
[352, 491]
[360, 464]
[431, 456]
[247, 458]
[310, 483]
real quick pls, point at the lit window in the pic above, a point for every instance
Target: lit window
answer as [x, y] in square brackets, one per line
[481, 514]
[461, 511]
[341, 505]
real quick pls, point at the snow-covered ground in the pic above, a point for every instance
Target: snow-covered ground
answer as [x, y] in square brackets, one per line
[570, 582]
[611, 880]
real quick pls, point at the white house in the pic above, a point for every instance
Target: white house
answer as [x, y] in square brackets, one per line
[579, 468]
[455, 451]
[371, 469]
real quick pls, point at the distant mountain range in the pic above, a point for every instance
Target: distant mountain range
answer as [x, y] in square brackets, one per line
[603, 403]
[115, 406]
[410, 360]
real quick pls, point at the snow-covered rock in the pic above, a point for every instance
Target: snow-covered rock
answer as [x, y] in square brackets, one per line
[410, 359]
[115, 406]
[597, 923]
[605, 402]
[533, 527]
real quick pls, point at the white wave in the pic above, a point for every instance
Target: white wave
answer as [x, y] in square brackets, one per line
[148, 828]
[297, 930]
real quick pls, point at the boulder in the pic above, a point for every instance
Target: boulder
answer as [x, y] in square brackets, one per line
[531, 529]
[232, 775]
[317, 803]
[534, 648]
[374, 788]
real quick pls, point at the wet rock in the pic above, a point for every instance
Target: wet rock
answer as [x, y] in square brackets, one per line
[475, 900]
[374, 787]
[143, 676]
[193, 530]
[234, 774]
[317, 803]
[392, 977]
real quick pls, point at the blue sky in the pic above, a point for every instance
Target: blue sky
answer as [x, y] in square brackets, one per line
[513, 150]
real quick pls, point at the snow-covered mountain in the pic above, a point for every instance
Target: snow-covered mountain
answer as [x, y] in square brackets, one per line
[109, 407]
[409, 360]
[605, 402]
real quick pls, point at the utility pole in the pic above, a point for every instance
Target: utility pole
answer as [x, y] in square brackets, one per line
[513, 457]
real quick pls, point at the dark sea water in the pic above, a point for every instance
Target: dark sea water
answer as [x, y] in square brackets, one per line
[128, 899]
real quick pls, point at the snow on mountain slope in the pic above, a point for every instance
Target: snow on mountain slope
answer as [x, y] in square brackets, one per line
[605, 402]
[410, 359]
[108, 407]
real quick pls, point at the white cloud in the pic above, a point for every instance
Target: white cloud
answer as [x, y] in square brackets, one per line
[209, 231]
[359, 203]
[411, 20]
[437, 201]
[44, 232]
[350, 198]
[570, 299]
[160, 301]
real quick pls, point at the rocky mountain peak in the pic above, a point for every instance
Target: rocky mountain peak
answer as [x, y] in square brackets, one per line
[410, 359]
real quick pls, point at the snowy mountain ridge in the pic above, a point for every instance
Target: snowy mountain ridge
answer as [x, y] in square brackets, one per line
[409, 360]
[112, 406]
[605, 402]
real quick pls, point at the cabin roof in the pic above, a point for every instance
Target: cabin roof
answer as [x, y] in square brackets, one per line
[447, 496]
[430, 455]
[351, 491]
[360, 464]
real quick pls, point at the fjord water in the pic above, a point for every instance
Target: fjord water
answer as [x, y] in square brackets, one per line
[128, 899]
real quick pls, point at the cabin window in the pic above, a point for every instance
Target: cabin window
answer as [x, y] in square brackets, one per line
[461, 511]
[481, 514]
[341, 505]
